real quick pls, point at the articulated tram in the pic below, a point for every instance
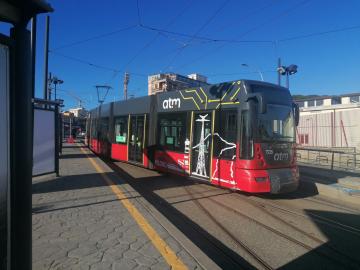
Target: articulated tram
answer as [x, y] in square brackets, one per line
[239, 135]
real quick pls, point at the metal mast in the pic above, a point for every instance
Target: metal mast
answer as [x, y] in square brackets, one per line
[126, 82]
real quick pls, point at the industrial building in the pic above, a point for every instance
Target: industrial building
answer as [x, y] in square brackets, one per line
[330, 121]
[165, 82]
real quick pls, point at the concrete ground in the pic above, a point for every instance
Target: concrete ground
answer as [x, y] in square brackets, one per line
[301, 230]
[80, 223]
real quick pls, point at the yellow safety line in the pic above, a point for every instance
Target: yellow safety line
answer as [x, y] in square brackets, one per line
[190, 98]
[168, 254]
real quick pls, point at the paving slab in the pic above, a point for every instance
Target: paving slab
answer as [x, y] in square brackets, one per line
[79, 223]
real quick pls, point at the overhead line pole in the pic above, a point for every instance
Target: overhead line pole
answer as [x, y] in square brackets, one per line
[33, 52]
[46, 56]
[279, 75]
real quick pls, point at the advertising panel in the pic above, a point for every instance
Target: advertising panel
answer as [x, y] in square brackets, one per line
[44, 142]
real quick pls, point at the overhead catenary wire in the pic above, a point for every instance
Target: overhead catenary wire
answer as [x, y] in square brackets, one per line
[85, 62]
[208, 21]
[338, 30]
[270, 20]
[161, 32]
[95, 37]
[151, 41]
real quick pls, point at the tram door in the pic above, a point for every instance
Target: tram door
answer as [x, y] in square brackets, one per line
[136, 146]
[201, 145]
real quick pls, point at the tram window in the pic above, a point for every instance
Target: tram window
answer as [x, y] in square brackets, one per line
[225, 134]
[172, 131]
[246, 151]
[121, 130]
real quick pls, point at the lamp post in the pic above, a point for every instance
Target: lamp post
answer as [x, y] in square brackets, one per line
[53, 80]
[102, 88]
[289, 70]
[56, 81]
[257, 70]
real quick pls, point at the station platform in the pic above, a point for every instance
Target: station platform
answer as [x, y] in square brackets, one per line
[88, 218]
[336, 185]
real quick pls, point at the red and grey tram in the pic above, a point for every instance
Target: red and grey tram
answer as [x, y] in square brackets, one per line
[239, 135]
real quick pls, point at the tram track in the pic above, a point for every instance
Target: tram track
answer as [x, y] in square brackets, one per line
[233, 262]
[287, 237]
[308, 235]
[224, 258]
[327, 221]
[228, 233]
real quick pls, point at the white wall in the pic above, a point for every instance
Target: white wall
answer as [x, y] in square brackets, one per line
[331, 128]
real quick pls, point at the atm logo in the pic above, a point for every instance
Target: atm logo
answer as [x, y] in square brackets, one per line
[171, 103]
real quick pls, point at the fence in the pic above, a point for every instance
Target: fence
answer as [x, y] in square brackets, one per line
[338, 127]
[343, 158]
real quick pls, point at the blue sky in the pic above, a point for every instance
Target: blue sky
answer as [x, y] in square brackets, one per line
[328, 64]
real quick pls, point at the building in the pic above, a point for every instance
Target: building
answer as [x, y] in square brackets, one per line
[318, 101]
[79, 112]
[73, 121]
[164, 82]
[350, 98]
[330, 121]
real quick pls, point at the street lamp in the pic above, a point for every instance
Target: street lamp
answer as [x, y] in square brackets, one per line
[289, 70]
[102, 88]
[55, 80]
[257, 70]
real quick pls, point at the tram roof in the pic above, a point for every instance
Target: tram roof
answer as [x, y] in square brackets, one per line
[215, 96]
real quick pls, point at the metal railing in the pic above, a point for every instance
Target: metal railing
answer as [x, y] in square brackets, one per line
[333, 158]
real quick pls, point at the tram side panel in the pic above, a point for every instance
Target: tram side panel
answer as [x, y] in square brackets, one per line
[131, 131]
[119, 147]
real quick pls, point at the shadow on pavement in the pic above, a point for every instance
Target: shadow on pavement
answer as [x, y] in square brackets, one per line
[341, 249]
[223, 256]
[339, 252]
[70, 182]
[49, 207]
[67, 156]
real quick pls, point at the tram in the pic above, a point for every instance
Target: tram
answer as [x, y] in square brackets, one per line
[239, 134]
